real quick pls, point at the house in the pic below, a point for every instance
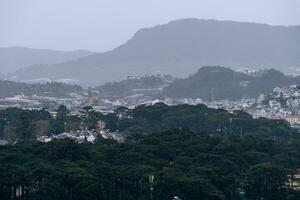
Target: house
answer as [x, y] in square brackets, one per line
[3, 142]
[292, 119]
[294, 182]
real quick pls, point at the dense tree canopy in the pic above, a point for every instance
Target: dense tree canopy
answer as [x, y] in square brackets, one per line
[134, 85]
[10, 89]
[194, 152]
[143, 119]
[185, 164]
[198, 118]
[17, 123]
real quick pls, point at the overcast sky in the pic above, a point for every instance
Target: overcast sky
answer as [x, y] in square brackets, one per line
[101, 25]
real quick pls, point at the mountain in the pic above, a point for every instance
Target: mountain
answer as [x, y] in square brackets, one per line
[224, 83]
[180, 47]
[14, 58]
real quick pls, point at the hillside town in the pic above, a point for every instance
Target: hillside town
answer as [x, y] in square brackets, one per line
[281, 103]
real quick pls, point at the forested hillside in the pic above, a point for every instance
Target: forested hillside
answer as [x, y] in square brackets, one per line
[184, 164]
[143, 120]
[225, 83]
[208, 82]
[201, 119]
[134, 85]
[192, 151]
[10, 89]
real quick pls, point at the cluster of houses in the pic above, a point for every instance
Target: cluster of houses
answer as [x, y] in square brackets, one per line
[85, 135]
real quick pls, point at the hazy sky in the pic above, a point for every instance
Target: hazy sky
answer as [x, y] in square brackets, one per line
[101, 25]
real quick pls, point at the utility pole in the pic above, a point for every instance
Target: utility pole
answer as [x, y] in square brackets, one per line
[241, 133]
[151, 180]
[230, 122]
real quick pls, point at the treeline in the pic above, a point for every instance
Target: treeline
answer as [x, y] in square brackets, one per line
[194, 152]
[18, 124]
[189, 165]
[23, 124]
[216, 81]
[10, 89]
[143, 120]
[135, 85]
[225, 83]
[197, 118]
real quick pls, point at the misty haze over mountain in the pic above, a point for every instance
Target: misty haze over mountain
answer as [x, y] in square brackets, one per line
[179, 48]
[14, 58]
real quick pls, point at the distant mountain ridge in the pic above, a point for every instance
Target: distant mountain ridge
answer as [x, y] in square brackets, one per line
[224, 83]
[15, 58]
[180, 48]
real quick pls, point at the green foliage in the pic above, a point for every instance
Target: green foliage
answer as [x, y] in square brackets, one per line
[90, 117]
[130, 86]
[185, 164]
[21, 124]
[226, 83]
[193, 152]
[266, 181]
[146, 120]
[199, 118]
[9, 89]
[58, 125]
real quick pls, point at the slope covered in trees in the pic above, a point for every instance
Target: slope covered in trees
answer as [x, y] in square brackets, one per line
[23, 124]
[219, 82]
[192, 151]
[225, 83]
[18, 124]
[159, 117]
[143, 120]
[10, 89]
[185, 164]
[134, 85]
